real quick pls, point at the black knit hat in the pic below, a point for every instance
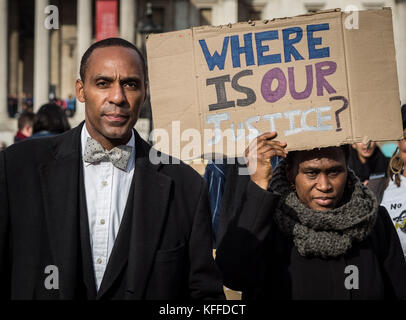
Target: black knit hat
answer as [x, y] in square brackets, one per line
[404, 116]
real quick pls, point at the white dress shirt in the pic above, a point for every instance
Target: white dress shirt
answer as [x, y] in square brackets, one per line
[107, 190]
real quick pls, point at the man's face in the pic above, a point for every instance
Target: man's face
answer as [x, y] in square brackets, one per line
[113, 91]
[363, 150]
[320, 177]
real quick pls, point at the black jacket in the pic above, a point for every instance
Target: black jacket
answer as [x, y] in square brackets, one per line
[256, 258]
[377, 164]
[163, 249]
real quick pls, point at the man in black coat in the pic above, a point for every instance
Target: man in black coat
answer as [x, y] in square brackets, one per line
[88, 215]
[308, 229]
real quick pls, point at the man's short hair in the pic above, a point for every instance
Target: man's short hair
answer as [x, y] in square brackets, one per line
[24, 119]
[109, 42]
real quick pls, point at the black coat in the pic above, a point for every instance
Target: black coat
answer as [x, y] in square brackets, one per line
[163, 249]
[373, 170]
[377, 164]
[255, 257]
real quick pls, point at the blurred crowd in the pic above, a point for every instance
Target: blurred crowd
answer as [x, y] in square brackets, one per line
[49, 120]
[68, 105]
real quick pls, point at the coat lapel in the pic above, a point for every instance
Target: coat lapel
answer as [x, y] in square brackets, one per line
[142, 224]
[119, 253]
[151, 199]
[87, 257]
[59, 184]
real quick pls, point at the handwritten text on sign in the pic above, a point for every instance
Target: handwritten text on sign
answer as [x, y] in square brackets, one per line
[275, 83]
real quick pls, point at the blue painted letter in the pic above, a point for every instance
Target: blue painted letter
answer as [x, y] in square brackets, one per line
[312, 42]
[236, 50]
[288, 47]
[215, 59]
[269, 59]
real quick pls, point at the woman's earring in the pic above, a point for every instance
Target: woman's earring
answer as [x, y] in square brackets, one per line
[396, 164]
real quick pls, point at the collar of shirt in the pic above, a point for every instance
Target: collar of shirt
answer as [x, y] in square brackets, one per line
[85, 134]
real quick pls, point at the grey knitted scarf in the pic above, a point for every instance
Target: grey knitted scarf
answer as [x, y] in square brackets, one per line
[324, 233]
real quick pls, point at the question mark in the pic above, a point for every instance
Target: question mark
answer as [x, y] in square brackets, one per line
[345, 106]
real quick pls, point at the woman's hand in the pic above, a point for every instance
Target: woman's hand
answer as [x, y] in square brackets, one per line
[258, 155]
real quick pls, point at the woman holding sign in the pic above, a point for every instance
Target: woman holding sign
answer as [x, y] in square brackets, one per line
[309, 230]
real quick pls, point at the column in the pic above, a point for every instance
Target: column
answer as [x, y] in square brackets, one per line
[84, 27]
[283, 8]
[3, 64]
[399, 26]
[55, 63]
[217, 13]
[13, 52]
[127, 19]
[194, 15]
[20, 83]
[84, 40]
[41, 56]
[230, 11]
[181, 14]
[225, 12]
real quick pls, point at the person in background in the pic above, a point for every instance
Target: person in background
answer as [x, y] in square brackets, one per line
[304, 229]
[50, 120]
[394, 198]
[214, 175]
[70, 106]
[369, 165]
[12, 106]
[25, 126]
[224, 178]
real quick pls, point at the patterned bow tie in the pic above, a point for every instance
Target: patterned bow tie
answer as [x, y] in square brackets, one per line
[118, 156]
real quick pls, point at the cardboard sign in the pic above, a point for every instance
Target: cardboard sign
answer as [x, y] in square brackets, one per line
[310, 78]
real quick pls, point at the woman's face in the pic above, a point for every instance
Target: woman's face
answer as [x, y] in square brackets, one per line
[320, 177]
[364, 151]
[402, 150]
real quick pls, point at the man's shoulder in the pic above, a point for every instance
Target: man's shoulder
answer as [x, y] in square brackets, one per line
[34, 148]
[177, 169]
[29, 147]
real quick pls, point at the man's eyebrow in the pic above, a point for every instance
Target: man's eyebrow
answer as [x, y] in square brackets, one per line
[102, 77]
[111, 79]
[130, 78]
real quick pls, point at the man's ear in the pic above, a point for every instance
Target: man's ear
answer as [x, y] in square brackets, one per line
[80, 95]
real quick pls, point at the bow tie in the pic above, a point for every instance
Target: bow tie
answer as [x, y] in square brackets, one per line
[118, 156]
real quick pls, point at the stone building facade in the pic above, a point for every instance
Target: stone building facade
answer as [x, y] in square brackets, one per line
[36, 61]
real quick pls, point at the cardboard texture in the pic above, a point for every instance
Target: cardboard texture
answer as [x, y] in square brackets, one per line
[309, 78]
